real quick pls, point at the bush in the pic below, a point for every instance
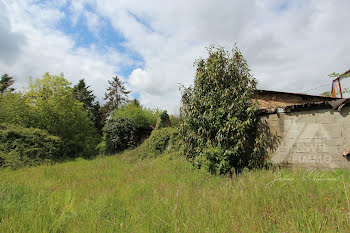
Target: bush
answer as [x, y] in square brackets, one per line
[143, 117]
[120, 134]
[21, 146]
[220, 125]
[101, 147]
[160, 141]
[163, 120]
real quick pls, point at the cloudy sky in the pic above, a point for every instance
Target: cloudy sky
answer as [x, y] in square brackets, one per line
[290, 45]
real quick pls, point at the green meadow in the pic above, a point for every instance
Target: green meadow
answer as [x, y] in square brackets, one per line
[166, 194]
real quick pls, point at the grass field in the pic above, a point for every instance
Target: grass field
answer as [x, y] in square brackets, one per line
[114, 194]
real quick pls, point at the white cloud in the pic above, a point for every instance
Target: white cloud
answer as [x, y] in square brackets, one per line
[93, 22]
[289, 45]
[10, 41]
[44, 49]
[289, 48]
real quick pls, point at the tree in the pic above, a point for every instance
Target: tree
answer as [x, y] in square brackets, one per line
[115, 96]
[14, 110]
[56, 110]
[136, 102]
[143, 117]
[220, 117]
[82, 93]
[5, 83]
[119, 134]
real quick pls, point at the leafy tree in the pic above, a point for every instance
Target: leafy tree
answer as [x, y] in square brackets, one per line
[136, 102]
[5, 83]
[82, 93]
[56, 110]
[143, 117]
[115, 96]
[14, 110]
[119, 134]
[220, 125]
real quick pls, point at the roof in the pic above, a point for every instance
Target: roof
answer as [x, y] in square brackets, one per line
[292, 93]
[336, 104]
[274, 99]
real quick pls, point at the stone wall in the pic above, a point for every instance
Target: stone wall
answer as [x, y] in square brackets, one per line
[311, 138]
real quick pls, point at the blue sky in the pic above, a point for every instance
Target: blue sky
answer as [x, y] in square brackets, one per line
[289, 45]
[104, 38]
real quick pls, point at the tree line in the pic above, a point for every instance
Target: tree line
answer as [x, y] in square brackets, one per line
[50, 115]
[219, 127]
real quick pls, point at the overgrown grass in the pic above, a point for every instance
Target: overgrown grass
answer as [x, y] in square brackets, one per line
[166, 194]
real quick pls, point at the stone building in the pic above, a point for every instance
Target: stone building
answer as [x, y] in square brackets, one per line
[312, 130]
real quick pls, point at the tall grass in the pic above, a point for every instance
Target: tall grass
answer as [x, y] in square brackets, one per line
[166, 194]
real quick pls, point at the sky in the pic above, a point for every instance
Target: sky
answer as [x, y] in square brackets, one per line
[290, 45]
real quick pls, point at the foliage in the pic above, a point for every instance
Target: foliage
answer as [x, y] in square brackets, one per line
[174, 120]
[15, 110]
[326, 93]
[336, 75]
[5, 82]
[163, 120]
[220, 117]
[56, 110]
[82, 93]
[160, 141]
[119, 134]
[115, 96]
[136, 102]
[21, 146]
[97, 117]
[143, 117]
[101, 147]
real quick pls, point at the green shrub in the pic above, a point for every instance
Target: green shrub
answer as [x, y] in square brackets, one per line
[163, 120]
[165, 140]
[119, 134]
[143, 117]
[101, 147]
[21, 146]
[220, 125]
